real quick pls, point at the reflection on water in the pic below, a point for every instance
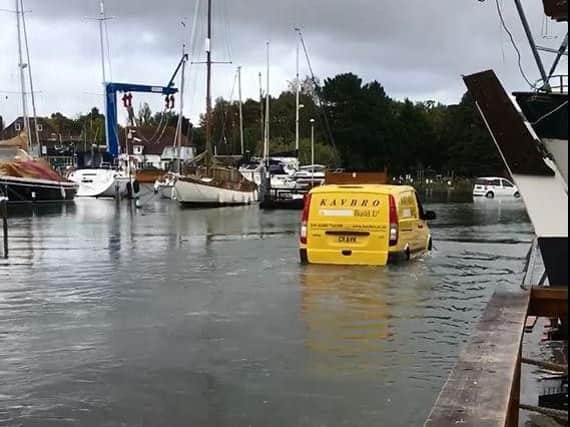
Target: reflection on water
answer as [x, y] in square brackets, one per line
[348, 317]
[115, 316]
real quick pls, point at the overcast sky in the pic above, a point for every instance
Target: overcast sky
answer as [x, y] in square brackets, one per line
[416, 48]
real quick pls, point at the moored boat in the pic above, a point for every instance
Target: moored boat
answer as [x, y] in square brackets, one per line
[215, 186]
[206, 183]
[166, 186]
[35, 190]
[26, 180]
[101, 183]
[208, 192]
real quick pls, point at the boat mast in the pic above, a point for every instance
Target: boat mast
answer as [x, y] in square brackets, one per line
[298, 98]
[181, 116]
[267, 108]
[102, 19]
[533, 46]
[32, 92]
[22, 66]
[241, 134]
[261, 108]
[209, 85]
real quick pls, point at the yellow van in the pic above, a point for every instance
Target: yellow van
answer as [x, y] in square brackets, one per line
[363, 225]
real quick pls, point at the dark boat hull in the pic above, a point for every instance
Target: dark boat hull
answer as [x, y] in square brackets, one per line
[23, 190]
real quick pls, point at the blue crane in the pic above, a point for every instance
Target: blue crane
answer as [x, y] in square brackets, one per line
[111, 91]
[111, 118]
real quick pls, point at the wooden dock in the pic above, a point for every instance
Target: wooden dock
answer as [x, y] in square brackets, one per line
[484, 388]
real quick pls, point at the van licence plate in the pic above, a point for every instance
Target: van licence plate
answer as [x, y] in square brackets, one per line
[352, 240]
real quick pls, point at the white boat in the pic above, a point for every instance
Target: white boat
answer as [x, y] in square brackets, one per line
[310, 176]
[207, 192]
[253, 172]
[166, 186]
[101, 183]
[282, 172]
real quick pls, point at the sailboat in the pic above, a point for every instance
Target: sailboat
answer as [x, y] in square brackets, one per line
[102, 182]
[209, 184]
[24, 179]
[166, 185]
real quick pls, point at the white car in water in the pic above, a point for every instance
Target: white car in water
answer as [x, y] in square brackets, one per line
[494, 187]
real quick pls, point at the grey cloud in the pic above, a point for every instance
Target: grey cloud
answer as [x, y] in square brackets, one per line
[416, 48]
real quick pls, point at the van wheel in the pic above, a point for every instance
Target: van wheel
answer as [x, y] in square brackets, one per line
[490, 195]
[430, 245]
[517, 195]
[304, 257]
[408, 254]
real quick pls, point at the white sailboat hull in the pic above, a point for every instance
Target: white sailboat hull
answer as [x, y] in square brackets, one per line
[101, 183]
[193, 193]
[167, 192]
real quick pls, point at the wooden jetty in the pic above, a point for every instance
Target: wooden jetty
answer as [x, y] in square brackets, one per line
[484, 388]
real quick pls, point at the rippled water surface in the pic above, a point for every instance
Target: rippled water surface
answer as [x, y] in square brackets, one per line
[169, 317]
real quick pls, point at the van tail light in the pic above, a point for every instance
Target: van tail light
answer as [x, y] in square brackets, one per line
[305, 219]
[394, 221]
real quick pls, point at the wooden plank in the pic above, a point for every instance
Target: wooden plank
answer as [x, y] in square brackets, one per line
[356, 178]
[549, 302]
[483, 389]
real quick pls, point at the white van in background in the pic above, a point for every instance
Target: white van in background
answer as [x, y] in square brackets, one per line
[495, 187]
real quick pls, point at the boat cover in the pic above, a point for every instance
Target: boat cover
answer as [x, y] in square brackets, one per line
[34, 169]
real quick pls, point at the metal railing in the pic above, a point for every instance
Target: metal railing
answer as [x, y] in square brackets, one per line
[557, 83]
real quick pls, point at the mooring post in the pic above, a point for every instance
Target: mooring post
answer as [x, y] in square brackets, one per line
[4, 215]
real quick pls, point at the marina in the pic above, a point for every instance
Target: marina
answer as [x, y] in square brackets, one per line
[316, 247]
[205, 317]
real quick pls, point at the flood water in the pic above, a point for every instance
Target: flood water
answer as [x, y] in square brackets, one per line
[167, 317]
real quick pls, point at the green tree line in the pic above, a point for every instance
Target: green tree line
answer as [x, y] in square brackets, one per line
[358, 126]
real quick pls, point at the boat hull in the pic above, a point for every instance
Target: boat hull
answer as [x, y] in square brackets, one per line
[27, 190]
[167, 192]
[541, 177]
[100, 183]
[190, 193]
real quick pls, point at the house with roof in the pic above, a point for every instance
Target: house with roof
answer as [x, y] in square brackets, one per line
[151, 151]
[52, 143]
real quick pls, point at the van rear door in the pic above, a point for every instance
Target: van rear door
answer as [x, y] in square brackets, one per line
[348, 226]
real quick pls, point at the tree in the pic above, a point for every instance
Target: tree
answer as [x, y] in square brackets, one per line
[470, 149]
[360, 117]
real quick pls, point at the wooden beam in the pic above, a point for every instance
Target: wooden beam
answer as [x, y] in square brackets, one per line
[483, 390]
[518, 146]
[549, 302]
